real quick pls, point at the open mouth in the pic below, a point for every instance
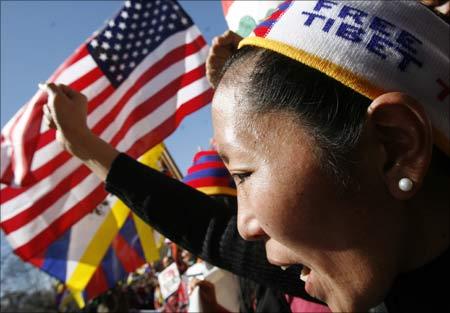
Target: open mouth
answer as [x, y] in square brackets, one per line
[304, 274]
[307, 276]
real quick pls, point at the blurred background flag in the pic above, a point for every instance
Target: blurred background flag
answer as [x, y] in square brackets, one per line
[142, 73]
[209, 175]
[243, 16]
[107, 244]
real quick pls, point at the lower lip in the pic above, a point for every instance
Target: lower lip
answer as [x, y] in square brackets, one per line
[308, 284]
[313, 288]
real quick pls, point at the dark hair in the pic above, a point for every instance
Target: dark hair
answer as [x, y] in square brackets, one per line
[333, 113]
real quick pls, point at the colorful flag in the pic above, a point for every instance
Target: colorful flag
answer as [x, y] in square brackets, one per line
[243, 16]
[142, 74]
[208, 174]
[105, 245]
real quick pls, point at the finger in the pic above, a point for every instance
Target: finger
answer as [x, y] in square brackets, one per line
[194, 281]
[220, 42]
[71, 93]
[216, 45]
[50, 123]
[47, 112]
[214, 74]
[192, 284]
[48, 117]
[50, 88]
[221, 51]
[229, 38]
[191, 290]
[219, 54]
[216, 65]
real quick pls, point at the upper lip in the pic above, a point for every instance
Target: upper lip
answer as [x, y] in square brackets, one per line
[278, 262]
[281, 257]
[285, 263]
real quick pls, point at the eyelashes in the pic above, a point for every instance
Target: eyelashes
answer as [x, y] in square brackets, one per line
[239, 178]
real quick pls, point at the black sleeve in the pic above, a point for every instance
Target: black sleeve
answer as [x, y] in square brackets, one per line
[197, 223]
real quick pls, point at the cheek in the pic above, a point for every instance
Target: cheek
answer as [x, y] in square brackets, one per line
[276, 202]
[294, 207]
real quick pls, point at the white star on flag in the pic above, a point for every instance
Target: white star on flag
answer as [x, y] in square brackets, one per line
[105, 45]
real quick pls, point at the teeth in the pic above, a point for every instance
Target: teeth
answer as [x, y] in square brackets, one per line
[304, 277]
[305, 274]
[283, 267]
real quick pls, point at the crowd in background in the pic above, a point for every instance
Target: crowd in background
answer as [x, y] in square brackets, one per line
[141, 290]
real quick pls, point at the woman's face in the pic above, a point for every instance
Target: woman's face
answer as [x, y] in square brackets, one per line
[286, 199]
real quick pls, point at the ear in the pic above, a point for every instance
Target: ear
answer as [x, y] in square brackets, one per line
[404, 132]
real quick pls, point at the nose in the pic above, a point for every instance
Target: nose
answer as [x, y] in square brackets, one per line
[249, 227]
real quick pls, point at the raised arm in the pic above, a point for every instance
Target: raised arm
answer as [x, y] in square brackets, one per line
[66, 112]
[181, 213]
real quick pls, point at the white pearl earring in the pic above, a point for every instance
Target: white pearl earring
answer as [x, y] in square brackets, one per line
[405, 184]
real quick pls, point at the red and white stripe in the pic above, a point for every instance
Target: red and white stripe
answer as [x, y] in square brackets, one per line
[166, 86]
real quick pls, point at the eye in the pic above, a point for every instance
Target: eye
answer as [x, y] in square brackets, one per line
[239, 178]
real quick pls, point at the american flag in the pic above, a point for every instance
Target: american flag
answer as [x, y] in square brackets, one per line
[142, 74]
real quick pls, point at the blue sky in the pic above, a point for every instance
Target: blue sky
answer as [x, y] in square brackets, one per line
[37, 36]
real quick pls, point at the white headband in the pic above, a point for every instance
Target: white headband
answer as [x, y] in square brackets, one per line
[372, 47]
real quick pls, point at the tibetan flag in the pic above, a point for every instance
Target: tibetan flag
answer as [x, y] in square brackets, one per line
[142, 74]
[209, 175]
[243, 16]
[105, 245]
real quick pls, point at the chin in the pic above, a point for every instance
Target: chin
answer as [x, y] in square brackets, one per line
[342, 297]
[342, 303]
